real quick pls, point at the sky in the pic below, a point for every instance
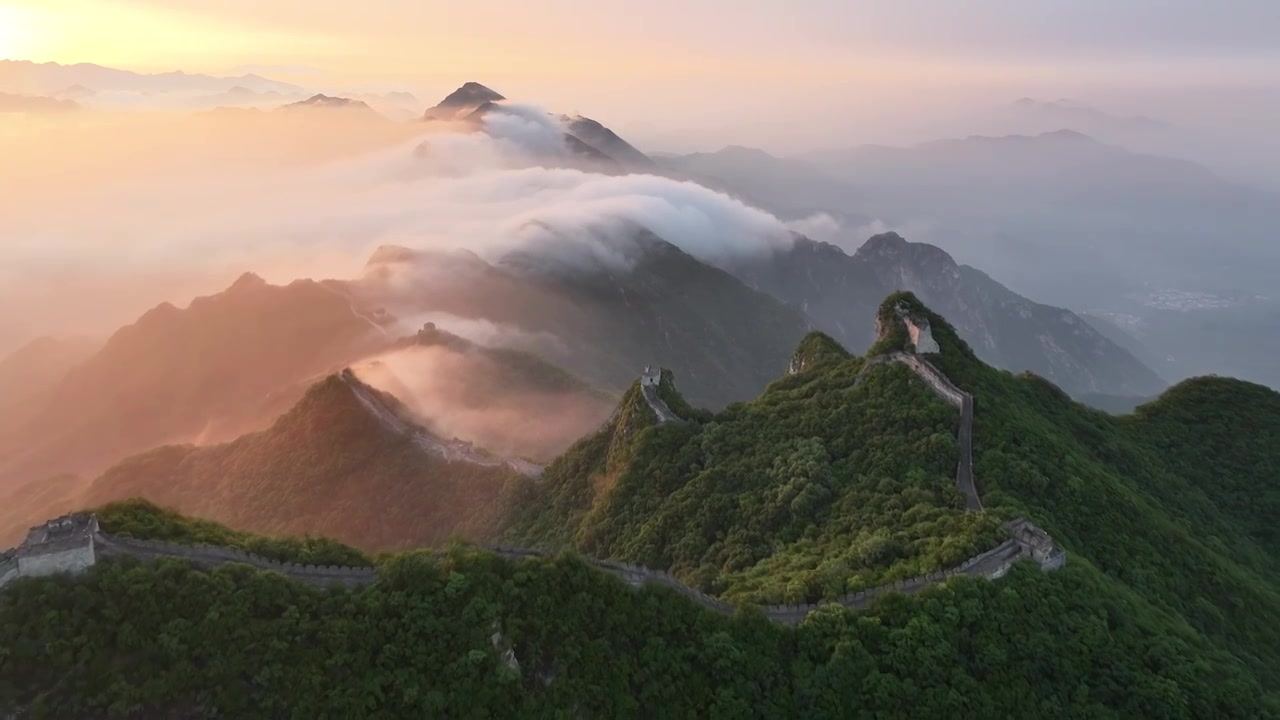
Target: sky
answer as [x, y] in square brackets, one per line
[420, 41]
[686, 63]
[692, 75]
[679, 75]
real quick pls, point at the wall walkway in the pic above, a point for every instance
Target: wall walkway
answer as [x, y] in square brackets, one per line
[649, 382]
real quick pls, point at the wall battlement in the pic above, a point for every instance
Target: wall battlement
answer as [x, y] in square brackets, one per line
[649, 381]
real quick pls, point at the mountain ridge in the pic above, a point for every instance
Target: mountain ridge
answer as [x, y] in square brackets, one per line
[1007, 329]
[1127, 627]
[343, 441]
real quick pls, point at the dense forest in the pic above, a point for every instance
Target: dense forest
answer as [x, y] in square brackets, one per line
[464, 634]
[833, 479]
[141, 519]
[819, 486]
[814, 490]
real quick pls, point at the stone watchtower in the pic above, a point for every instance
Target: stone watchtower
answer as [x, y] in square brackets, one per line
[64, 544]
[651, 376]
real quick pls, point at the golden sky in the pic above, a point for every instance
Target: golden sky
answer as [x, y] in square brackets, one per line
[663, 63]
[382, 39]
[145, 36]
[396, 40]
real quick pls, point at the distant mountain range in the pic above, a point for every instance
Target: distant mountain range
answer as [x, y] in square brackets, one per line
[556, 326]
[600, 322]
[11, 103]
[780, 185]
[1076, 217]
[48, 87]
[50, 78]
[1057, 216]
[1004, 328]
[325, 102]
[226, 364]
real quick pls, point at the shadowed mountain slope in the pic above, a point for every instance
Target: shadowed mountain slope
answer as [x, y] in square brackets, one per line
[345, 462]
[1005, 329]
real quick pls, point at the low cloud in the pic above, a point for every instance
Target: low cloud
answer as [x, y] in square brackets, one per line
[819, 226]
[293, 196]
[500, 406]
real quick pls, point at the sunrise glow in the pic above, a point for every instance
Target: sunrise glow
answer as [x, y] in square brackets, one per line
[18, 33]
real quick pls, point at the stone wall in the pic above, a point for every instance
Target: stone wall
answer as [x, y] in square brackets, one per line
[65, 557]
[210, 556]
[649, 381]
[55, 548]
[1026, 542]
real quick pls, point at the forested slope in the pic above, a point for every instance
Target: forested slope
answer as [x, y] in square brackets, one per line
[327, 467]
[1170, 503]
[813, 490]
[1168, 607]
[817, 487]
[467, 635]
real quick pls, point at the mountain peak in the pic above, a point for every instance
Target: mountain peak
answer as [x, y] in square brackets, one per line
[469, 95]
[391, 255]
[903, 322]
[884, 242]
[321, 100]
[816, 348]
[246, 282]
[1065, 135]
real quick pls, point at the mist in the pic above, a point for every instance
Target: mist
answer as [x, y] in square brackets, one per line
[499, 406]
[113, 214]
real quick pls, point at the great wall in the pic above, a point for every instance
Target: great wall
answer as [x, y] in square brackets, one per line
[650, 379]
[74, 543]
[451, 450]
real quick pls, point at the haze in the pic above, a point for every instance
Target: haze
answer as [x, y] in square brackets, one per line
[155, 191]
[689, 75]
